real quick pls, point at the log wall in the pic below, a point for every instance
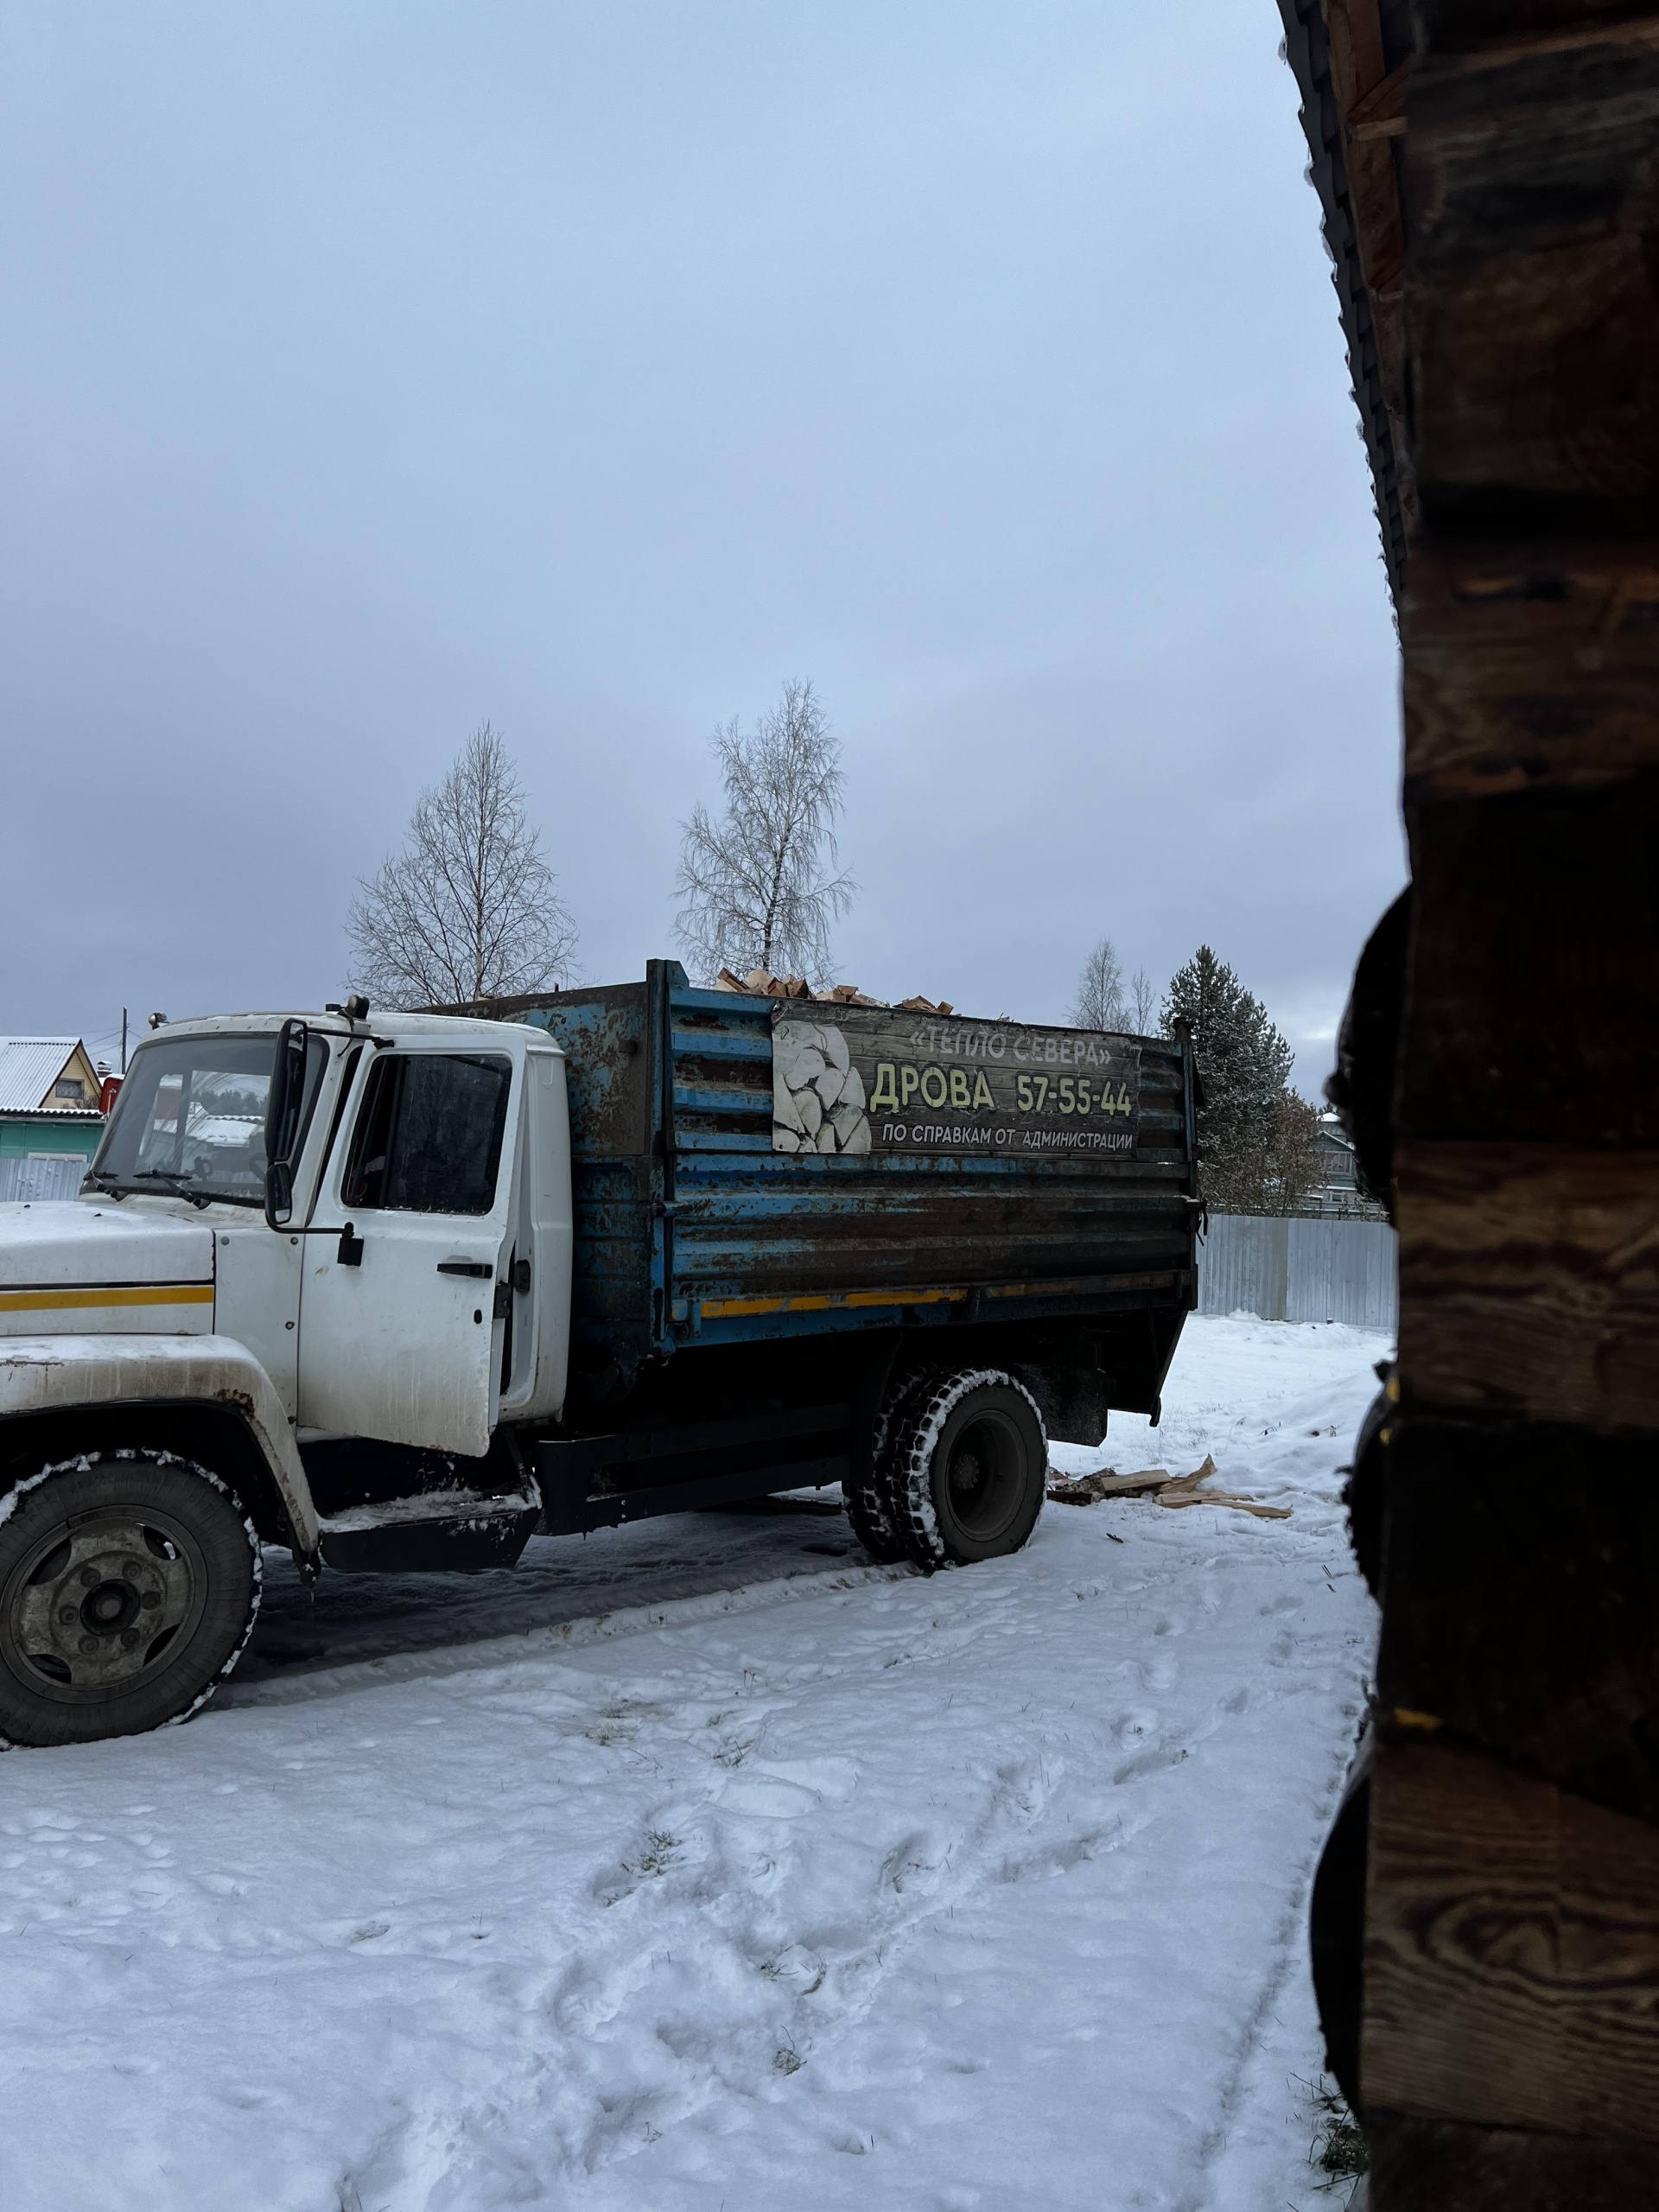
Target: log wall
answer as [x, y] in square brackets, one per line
[1510, 2043]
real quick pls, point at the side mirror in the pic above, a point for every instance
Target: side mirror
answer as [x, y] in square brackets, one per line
[283, 1113]
[279, 1194]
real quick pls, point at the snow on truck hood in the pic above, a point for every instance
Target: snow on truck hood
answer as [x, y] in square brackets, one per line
[69, 1269]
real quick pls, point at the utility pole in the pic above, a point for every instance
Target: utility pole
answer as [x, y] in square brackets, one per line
[123, 1041]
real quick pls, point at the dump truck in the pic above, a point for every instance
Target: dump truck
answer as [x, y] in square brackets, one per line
[398, 1291]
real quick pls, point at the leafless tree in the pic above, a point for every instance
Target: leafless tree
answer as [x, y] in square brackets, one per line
[1099, 1001]
[756, 886]
[1275, 1165]
[467, 910]
[1139, 1004]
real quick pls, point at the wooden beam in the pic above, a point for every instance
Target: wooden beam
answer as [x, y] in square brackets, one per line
[1457, 2167]
[1532, 662]
[1493, 53]
[1534, 985]
[1534, 319]
[1531, 1275]
[1359, 73]
[1512, 1952]
[1521, 1586]
[1382, 113]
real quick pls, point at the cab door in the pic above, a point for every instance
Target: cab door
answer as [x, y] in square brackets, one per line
[400, 1325]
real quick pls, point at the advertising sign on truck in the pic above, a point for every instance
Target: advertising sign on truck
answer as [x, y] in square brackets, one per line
[880, 1079]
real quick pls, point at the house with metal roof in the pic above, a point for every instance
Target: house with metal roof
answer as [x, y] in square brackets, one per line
[50, 1121]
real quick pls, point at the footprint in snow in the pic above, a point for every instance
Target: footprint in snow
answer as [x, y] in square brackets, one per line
[903, 1861]
[784, 1789]
[1149, 1761]
[763, 1797]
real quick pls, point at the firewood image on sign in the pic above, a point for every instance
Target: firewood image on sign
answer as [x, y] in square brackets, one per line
[817, 1095]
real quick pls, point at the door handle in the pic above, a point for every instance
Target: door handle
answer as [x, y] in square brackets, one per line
[482, 1268]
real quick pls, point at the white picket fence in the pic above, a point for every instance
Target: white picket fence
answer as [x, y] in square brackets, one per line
[54, 1176]
[1290, 1270]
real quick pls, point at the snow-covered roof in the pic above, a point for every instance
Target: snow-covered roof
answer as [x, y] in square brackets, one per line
[28, 1068]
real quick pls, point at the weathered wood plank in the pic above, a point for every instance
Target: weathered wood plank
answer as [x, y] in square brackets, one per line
[1530, 195]
[1359, 69]
[1521, 1584]
[1530, 1276]
[1529, 665]
[1534, 986]
[1479, 32]
[1512, 1951]
[1437, 2165]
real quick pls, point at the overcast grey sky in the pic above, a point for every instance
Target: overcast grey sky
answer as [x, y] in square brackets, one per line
[370, 369]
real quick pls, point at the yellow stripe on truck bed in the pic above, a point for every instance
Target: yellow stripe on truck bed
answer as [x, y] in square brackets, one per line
[821, 1302]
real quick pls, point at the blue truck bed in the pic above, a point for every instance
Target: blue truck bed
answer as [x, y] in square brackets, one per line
[694, 1230]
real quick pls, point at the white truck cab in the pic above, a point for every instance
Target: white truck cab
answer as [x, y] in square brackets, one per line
[172, 1339]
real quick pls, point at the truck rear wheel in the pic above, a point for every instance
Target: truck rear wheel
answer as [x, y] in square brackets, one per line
[869, 1505]
[965, 1470]
[128, 1584]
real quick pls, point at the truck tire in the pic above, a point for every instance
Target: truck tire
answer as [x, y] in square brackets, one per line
[869, 1504]
[128, 1585]
[965, 1469]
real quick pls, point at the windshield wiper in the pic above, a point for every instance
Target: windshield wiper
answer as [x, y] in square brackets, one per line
[101, 1181]
[181, 1185]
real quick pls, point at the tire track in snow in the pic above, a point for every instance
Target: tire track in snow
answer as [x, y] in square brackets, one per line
[530, 1644]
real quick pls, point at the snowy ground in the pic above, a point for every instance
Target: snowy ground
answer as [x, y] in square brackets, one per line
[702, 1865]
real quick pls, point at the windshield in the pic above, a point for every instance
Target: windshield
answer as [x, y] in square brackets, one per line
[191, 1117]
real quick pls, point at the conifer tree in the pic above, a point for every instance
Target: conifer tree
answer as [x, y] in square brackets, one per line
[1255, 1152]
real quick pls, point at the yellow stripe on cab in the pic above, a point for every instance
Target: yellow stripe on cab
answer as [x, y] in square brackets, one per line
[146, 1293]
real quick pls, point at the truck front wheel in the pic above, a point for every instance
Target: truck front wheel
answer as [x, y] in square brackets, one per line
[128, 1584]
[964, 1474]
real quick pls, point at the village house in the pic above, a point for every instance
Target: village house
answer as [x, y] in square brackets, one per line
[1338, 1192]
[51, 1115]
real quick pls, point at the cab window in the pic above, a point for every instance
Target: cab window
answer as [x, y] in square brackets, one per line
[190, 1118]
[428, 1134]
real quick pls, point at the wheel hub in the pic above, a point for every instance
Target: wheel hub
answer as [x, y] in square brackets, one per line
[983, 1475]
[99, 1602]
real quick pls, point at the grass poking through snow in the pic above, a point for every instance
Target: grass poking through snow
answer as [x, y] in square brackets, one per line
[1338, 2150]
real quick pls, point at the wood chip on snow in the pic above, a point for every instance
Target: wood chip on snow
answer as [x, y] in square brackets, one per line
[1161, 1487]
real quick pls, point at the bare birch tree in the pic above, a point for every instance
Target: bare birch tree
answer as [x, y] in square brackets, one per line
[1099, 1001]
[469, 909]
[756, 886]
[1139, 1004]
